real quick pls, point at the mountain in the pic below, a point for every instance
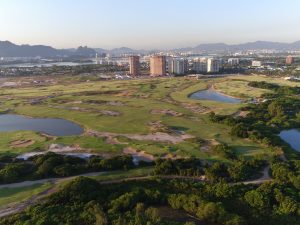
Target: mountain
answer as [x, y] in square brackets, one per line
[258, 45]
[212, 47]
[122, 50]
[8, 49]
[85, 52]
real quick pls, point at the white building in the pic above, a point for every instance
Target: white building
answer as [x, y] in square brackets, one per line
[177, 66]
[200, 65]
[213, 65]
[256, 63]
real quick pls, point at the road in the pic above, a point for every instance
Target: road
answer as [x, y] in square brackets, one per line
[19, 207]
[49, 180]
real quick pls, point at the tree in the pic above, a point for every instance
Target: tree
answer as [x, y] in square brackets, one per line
[213, 212]
[216, 172]
[288, 206]
[255, 199]
[153, 214]
[281, 172]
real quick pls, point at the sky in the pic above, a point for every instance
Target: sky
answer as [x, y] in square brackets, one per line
[147, 24]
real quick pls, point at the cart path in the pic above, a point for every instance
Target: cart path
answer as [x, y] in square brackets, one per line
[14, 208]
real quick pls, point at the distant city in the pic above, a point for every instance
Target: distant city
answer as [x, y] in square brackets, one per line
[207, 59]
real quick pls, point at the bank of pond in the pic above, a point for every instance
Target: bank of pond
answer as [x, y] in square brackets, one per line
[212, 95]
[292, 137]
[50, 126]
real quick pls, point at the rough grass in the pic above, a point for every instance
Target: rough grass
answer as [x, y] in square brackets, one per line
[136, 99]
[141, 172]
[11, 195]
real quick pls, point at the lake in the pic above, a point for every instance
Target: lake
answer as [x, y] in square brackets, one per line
[49, 64]
[54, 127]
[292, 137]
[213, 95]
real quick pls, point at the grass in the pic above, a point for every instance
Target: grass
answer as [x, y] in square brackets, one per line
[12, 195]
[238, 85]
[140, 172]
[136, 99]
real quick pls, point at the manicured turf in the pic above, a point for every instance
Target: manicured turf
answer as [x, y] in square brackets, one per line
[125, 107]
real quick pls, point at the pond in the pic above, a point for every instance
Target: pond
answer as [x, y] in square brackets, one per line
[213, 95]
[292, 137]
[54, 127]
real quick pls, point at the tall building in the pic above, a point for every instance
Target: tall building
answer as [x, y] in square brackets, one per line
[213, 65]
[177, 66]
[289, 60]
[200, 65]
[134, 65]
[233, 61]
[158, 65]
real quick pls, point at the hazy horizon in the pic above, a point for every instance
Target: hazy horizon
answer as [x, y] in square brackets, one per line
[147, 25]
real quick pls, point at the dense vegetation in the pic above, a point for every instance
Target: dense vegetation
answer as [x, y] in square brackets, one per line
[264, 121]
[237, 170]
[55, 165]
[87, 202]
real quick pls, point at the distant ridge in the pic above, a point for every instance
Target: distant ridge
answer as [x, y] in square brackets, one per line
[257, 45]
[8, 49]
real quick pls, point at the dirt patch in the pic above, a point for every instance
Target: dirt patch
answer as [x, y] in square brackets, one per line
[109, 113]
[115, 103]
[21, 143]
[195, 108]
[59, 148]
[92, 93]
[157, 126]
[103, 102]
[90, 110]
[142, 154]
[159, 136]
[242, 114]
[126, 93]
[208, 144]
[167, 112]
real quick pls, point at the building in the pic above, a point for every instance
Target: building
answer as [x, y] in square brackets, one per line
[177, 66]
[289, 60]
[134, 65]
[158, 66]
[213, 65]
[233, 61]
[97, 59]
[256, 63]
[200, 65]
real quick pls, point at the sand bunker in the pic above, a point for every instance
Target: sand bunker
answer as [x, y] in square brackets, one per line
[208, 144]
[167, 112]
[143, 156]
[159, 136]
[21, 143]
[109, 113]
[58, 148]
[90, 110]
[195, 108]
[241, 114]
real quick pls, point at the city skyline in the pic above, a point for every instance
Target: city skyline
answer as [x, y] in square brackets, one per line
[147, 25]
